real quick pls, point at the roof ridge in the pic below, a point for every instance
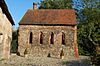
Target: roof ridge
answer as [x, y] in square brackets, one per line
[52, 9]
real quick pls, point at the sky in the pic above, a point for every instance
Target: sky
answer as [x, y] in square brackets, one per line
[18, 8]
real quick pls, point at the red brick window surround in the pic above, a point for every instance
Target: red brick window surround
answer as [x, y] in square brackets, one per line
[52, 38]
[41, 38]
[30, 37]
[63, 38]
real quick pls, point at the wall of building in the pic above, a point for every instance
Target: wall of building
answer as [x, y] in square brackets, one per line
[36, 49]
[6, 37]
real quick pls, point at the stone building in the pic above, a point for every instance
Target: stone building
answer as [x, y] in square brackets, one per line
[48, 31]
[6, 23]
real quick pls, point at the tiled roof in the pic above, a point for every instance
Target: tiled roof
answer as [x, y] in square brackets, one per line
[49, 16]
[5, 11]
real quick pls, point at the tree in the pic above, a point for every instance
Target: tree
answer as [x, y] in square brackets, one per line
[55, 4]
[89, 30]
[14, 44]
[91, 3]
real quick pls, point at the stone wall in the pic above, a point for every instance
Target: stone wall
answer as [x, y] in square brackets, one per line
[6, 35]
[37, 49]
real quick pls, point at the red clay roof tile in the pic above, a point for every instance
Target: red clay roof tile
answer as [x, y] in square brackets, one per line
[49, 16]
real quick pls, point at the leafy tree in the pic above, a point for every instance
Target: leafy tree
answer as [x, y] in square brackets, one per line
[55, 4]
[91, 3]
[89, 35]
[14, 44]
[89, 30]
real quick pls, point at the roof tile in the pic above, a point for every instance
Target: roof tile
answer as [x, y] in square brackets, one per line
[49, 16]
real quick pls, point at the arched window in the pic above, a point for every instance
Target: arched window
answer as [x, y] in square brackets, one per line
[63, 38]
[52, 38]
[31, 38]
[41, 38]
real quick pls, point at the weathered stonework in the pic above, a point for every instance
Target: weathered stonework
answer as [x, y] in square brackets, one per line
[37, 49]
[48, 32]
[5, 36]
